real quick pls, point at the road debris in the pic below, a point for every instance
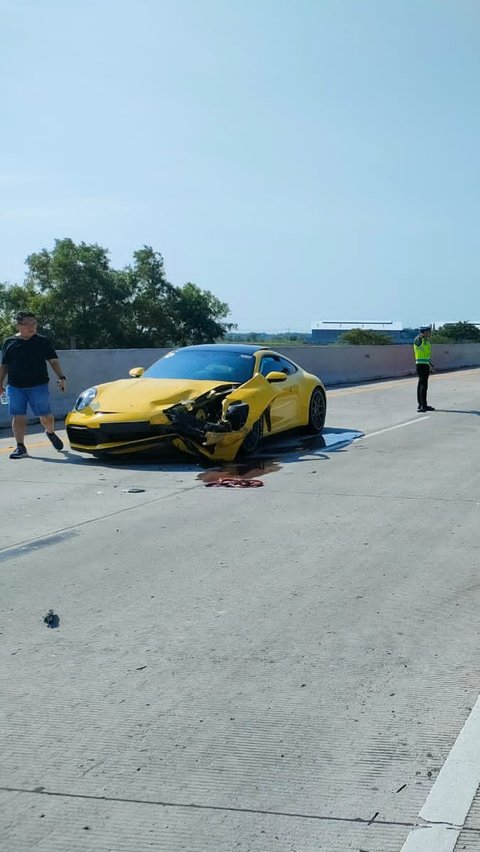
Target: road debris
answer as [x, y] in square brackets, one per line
[51, 619]
[234, 482]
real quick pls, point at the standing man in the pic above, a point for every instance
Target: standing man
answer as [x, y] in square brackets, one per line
[24, 358]
[423, 353]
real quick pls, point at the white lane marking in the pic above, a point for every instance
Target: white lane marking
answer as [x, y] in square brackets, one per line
[398, 426]
[431, 838]
[451, 796]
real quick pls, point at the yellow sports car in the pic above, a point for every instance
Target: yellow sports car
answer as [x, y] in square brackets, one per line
[216, 400]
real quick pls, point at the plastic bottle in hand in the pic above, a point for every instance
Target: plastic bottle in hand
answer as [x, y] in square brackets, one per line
[4, 398]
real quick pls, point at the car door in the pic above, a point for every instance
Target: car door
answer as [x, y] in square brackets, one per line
[284, 409]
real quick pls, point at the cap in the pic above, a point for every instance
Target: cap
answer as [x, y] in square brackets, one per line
[425, 328]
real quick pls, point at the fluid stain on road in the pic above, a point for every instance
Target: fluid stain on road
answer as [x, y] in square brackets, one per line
[283, 449]
[252, 469]
[330, 440]
[338, 439]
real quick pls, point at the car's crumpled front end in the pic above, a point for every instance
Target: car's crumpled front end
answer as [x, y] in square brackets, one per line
[210, 419]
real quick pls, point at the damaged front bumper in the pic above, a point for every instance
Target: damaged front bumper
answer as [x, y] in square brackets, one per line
[213, 425]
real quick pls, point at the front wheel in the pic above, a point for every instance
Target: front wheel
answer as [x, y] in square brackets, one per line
[251, 442]
[317, 412]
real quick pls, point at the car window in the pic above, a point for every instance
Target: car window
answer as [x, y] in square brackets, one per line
[203, 364]
[268, 364]
[287, 367]
[275, 363]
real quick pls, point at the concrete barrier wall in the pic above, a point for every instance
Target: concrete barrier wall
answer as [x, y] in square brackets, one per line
[334, 365]
[345, 364]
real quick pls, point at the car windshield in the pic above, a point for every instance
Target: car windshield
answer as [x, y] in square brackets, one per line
[204, 364]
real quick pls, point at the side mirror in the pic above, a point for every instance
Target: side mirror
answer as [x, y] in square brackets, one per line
[136, 372]
[275, 376]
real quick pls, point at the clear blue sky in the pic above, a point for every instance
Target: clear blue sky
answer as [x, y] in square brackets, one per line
[302, 159]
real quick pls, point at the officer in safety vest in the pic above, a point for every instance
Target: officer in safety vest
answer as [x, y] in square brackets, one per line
[423, 353]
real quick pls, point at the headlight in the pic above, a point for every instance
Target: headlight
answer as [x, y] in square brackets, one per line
[237, 414]
[85, 399]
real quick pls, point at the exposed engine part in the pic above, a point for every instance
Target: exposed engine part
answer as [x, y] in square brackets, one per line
[195, 418]
[188, 424]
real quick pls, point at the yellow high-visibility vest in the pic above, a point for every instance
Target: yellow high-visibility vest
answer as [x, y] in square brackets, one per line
[423, 350]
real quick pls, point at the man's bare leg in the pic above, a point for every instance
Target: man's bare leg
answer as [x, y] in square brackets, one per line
[48, 421]
[19, 427]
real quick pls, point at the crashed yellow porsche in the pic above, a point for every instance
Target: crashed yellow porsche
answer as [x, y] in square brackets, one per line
[213, 400]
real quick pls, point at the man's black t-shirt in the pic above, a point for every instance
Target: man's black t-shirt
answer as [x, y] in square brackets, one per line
[26, 359]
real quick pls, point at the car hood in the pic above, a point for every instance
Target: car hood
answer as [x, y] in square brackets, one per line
[129, 395]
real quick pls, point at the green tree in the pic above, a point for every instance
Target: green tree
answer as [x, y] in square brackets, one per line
[14, 298]
[460, 332]
[153, 300]
[438, 337]
[81, 300]
[82, 295]
[199, 316]
[364, 337]
[7, 325]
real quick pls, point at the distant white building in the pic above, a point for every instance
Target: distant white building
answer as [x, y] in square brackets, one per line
[328, 331]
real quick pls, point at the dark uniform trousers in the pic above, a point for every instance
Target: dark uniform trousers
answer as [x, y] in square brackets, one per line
[423, 372]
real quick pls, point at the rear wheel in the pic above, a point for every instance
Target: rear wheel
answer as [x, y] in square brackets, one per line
[251, 442]
[317, 412]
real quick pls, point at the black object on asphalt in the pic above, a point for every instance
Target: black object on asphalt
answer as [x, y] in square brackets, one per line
[51, 619]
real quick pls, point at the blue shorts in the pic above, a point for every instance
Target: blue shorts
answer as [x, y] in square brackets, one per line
[37, 397]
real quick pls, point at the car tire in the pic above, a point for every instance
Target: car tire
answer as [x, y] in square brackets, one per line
[253, 439]
[317, 412]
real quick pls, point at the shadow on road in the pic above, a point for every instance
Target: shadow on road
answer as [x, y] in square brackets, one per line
[273, 454]
[457, 411]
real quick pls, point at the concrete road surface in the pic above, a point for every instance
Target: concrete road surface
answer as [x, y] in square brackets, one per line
[291, 668]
